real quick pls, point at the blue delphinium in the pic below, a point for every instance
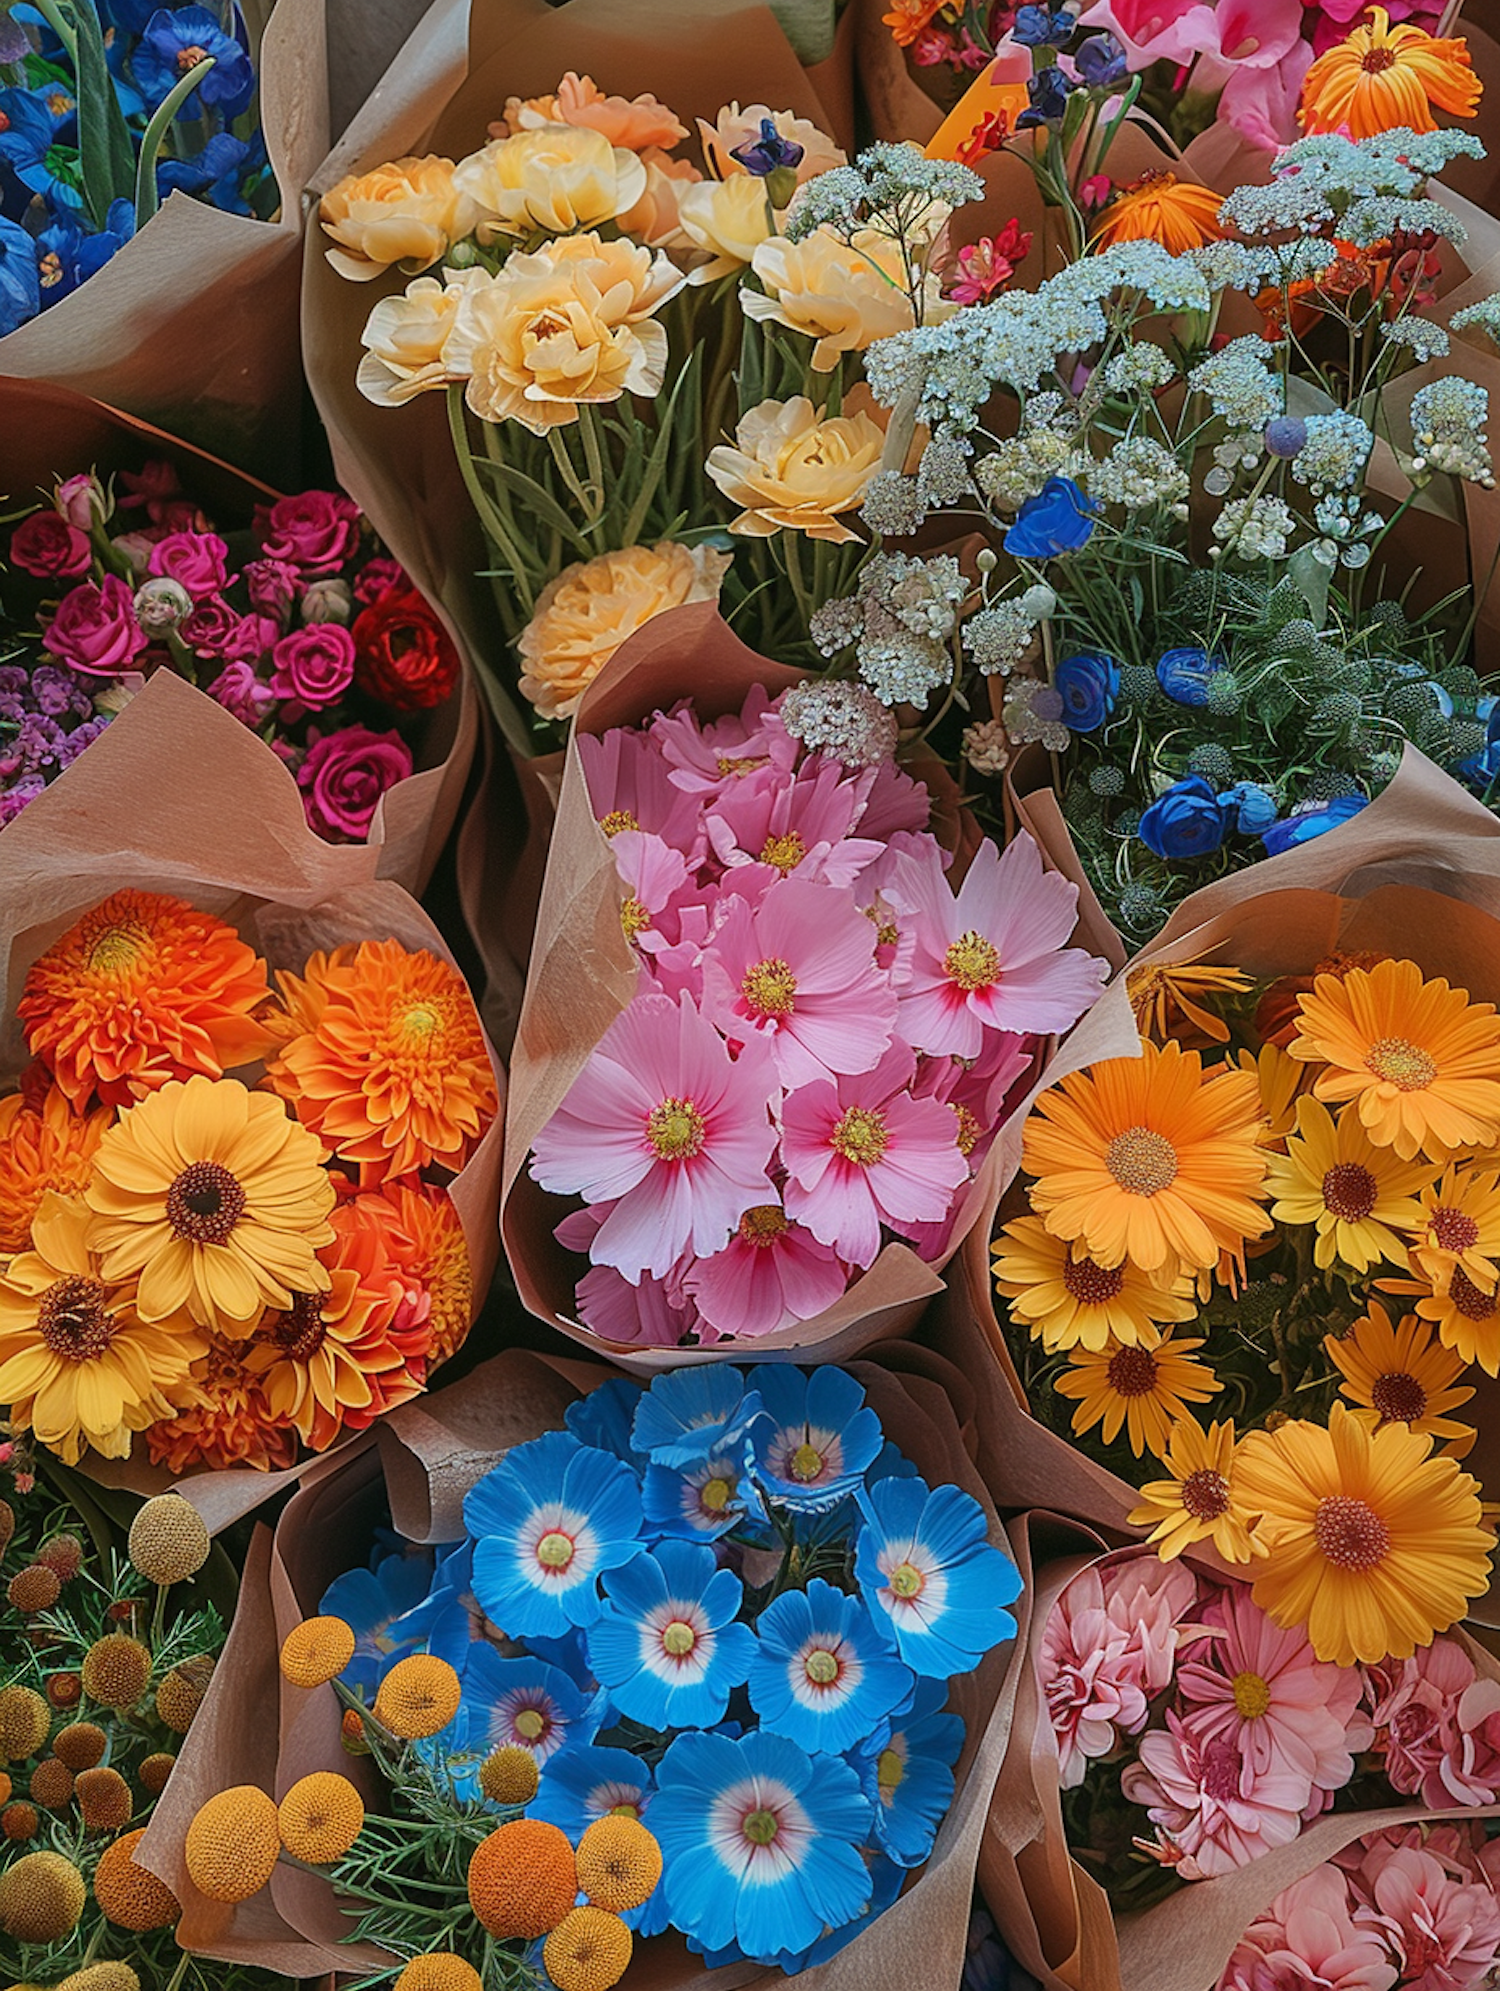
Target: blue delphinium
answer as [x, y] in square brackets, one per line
[822, 1673]
[20, 288]
[667, 1648]
[931, 1578]
[173, 42]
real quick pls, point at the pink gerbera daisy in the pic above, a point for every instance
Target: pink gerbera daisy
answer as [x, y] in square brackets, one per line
[995, 957]
[665, 1125]
[772, 1272]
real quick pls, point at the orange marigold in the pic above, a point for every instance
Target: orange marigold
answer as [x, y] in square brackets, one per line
[143, 989]
[383, 1057]
[222, 1418]
[41, 1147]
[523, 1878]
[423, 1239]
[131, 1896]
[233, 1844]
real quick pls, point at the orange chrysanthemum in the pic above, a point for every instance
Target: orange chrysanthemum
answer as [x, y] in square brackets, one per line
[1159, 207]
[424, 1241]
[383, 1057]
[1381, 78]
[41, 1147]
[143, 989]
[222, 1418]
[907, 19]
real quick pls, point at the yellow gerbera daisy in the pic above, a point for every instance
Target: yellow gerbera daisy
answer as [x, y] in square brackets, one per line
[1356, 1195]
[1202, 1501]
[1149, 1159]
[1459, 1226]
[1420, 1061]
[1401, 1375]
[215, 1200]
[1375, 1546]
[1280, 1080]
[1067, 1301]
[1145, 1389]
[78, 1366]
[1379, 78]
[1166, 999]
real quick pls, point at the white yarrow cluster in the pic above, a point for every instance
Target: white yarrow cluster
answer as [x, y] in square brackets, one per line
[844, 721]
[900, 620]
[1243, 389]
[1255, 528]
[1137, 473]
[1448, 419]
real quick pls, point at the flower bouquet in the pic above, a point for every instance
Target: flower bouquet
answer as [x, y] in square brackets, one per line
[747, 917]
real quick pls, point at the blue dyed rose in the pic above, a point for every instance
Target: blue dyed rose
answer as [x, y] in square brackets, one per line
[1090, 684]
[1189, 820]
[1057, 520]
[1305, 824]
[765, 155]
[1254, 807]
[1184, 674]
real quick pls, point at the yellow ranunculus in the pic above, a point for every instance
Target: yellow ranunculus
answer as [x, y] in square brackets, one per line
[405, 336]
[790, 468]
[557, 178]
[728, 218]
[735, 127]
[571, 323]
[846, 296]
[584, 616]
[408, 212]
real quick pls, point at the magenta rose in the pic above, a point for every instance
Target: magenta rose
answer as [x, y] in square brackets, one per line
[47, 546]
[211, 625]
[273, 585]
[95, 629]
[315, 532]
[195, 559]
[344, 776]
[242, 694]
[379, 578]
[250, 639]
[314, 666]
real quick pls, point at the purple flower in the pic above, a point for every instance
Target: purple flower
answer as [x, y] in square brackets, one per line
[14, 798]
[72, 744]
[764, 155]
[1101, 61]
[59, 694]
[344, 776]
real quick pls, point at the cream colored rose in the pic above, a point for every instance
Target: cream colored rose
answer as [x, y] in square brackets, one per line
[410, 212]
[655, 218]
[846, 296]
[405, 336]
[557, 178]
[791, 468]
[734, 127]
[728, 218]
[584, 616]
[571, 323]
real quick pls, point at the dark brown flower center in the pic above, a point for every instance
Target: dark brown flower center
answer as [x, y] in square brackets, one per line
[1090, 1284]
[1350, 1533]
[1468, 1299]
[1452, 1230]
[73, 1320]
[1142, 1161]
[1349, 1191]
[205, 1203]
[301, 1331]
[1374, 60]
[1132, 1372]
[1398, 1397]
[1205, 1494]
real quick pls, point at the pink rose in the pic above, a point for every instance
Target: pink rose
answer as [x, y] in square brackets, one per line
[135, 549]
[250, 639]
[81, 500]
[274, 585]
[48, 546]
[344, 776]
[95, 629]
[314, 532]
[209, 627]
[242, 694]
[379, 578]
[314, 666]
[196, 559]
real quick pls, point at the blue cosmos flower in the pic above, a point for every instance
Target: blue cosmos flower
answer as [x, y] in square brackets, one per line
[1101, 61]
[580, 1785]
[929, 1574]
[1057, 520]
[819, 1437]
[602, 1419]
[764, 155]
[1305, 824]
[823, 1673]
[667, 1650]
[1184, 674]
[1090, 684]
[1187, 820]
[547, 1522]
[907, 1771]
[759, 1842]
[689, 1415]
[450, 1620]
[704, 1502]
[518, 1704]
[372, 1602]
[1254, 807]
[175, 41]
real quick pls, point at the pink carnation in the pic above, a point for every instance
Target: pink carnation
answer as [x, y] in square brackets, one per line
[1439, 1726]
[1444, 1933]
[1214, 1812]
[1101, 1666]
[1307, 1940]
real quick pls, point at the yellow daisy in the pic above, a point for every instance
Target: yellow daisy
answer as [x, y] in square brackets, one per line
[1356, 1195]
[1067, 1301]
[1202, 1501]
[1459, 1226]
[1145, 1389]
[1280, 1079]
[1167, 1000]
[1401, 1375]
[1466, 1316]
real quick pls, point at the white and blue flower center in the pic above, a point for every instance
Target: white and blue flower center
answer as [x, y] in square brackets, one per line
[559, 1548]
[677, 1642]
[825, 1671]
[759, 1831]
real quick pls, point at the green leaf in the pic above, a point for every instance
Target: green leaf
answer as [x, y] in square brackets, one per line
[104, 146]
[147, 200]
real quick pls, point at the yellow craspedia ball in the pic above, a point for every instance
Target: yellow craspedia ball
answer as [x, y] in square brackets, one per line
[317, 1651]
[41, 1898]
[81, 1745]
[169, 1541]
[418, 1697]
[19, 1820]
[441, 1971]
[320, 1818]
[509, 1775]
[116, 1670]
[102, 1977]
[522, 1878]
[180, 1695]
[104, 1799]
[25, 1719]
[619, 1863]
[131, 1896]
[232, 1844]
[589, 1950]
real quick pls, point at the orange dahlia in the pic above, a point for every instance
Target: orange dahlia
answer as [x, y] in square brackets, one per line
[383, 1057]
[141, 990]
[42, 1147]
[221, 1417]
[1159, 207]
[1380, 78]
[424, 1241]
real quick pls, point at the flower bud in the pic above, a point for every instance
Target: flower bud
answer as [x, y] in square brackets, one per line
[161, 604]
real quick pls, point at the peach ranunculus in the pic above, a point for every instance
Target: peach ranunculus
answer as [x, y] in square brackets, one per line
[735, 127]
[409, 212]
[844, 295]
[637, 123]
[584, 616]
[655, 219]
[727, 218]
[793, 468]
[557, 179]
[404, 338]
[572, 323]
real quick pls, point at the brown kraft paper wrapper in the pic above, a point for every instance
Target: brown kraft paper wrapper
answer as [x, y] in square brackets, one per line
[422, 1461]
[257, 865]
[50, 432]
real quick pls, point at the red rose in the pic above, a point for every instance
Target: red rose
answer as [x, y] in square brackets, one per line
[47, 546]
[403, 653]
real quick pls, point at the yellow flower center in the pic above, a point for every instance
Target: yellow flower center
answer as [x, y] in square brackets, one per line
[623, 1811]
[555, 1550]
[890, 1771]
[969, 1130]
[634, 917]
[1205, 1494]
[616, 821]
[906, 1580]
[785, 853]
[860, 1136]
[1399, 1398]
[1093, 1285]
[714, 1494]
[204, 1203]
[763, 1225]
[1142, 1161]
[1401, 1063]
[676, 1129]
[1251, 1696]
[1132, 1372]
[531, 1723]
[417, 1022]
[1349, 1191]
[678, 1638]
[73, 1320]
[738, 767]
[118, 947]
[49, 270]
[770, 988]
[822, 1668]
[1452, 1230]
[805, 1463]
[1350, 1534]
[761, 1827]
[972, 962]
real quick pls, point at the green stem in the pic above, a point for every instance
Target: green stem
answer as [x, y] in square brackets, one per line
[60, 25]
[570, 477]
[147, 200]
[179, 1975]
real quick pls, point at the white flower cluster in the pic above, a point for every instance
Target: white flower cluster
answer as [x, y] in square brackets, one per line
[1255, 528]
[1017, 468]
[1483, 317]
[1420, 336]
[900, 620]
[884, 177]
[1243, 389]
[998, 637]
[843, 721]
[1033, 711]
[1335, 453]
[1448, 419]
[1381, 216]
[1321, 178]
[1141, 367]
[1138, 472]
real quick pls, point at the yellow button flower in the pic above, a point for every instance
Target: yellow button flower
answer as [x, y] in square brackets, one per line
[408, 212]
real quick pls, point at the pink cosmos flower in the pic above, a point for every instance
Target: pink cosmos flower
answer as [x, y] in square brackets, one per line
[797, 970]
[656, 1313]
[800, 825]
[1444, 1933]
[665, 1125]
[996, 956]
[865, 1152]
[630, 788]
[658, 887]
[1262, 1689]
[1261, 104]
[894, 804]
[771, 1273]
[705, 760]
[1100, 1666]
[1439, 1726]
[1209, 1803]
[1307, 1941]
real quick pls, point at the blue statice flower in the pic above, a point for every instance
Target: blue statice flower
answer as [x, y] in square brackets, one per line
[689, 1415]
[907, 1770]
[760, 1843]
[930, 1576]
[173, 42]
[1090, 684]
[515, 1704]
[582, 1785]
[818, 1439]
[1184, 674]
[1042, 27]
[602, 1418]
[20, 288]
[823, 1674]
[1057, 520]
[667, 1649]
[705, 1501]
[1302, 825]
[1187, 820]
[374, 1603]
[550, 1519]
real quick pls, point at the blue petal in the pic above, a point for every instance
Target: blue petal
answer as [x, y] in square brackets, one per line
[602, 1418]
